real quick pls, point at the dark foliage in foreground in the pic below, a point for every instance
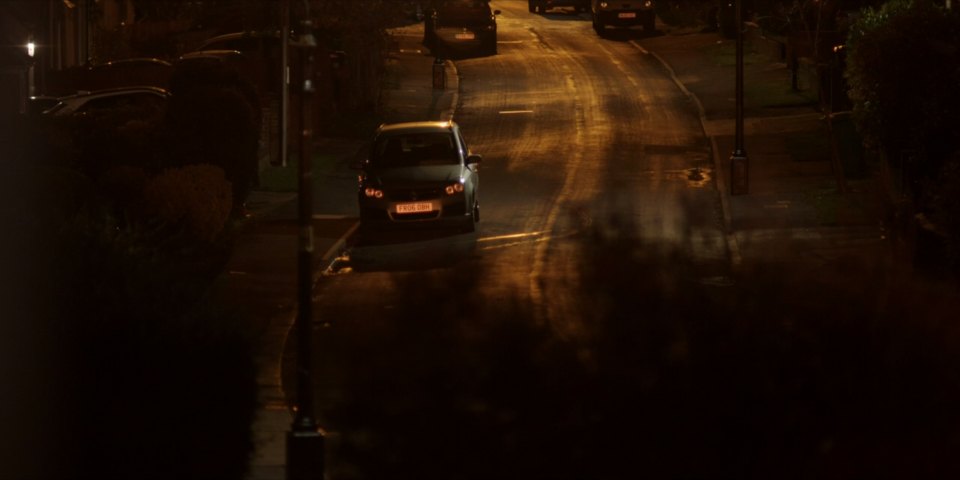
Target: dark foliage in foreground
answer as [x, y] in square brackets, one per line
[117, 363]
[657, 375]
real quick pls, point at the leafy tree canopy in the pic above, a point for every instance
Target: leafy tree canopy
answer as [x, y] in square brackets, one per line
[903, 69]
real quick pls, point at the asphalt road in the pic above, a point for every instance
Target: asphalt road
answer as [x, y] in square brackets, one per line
[592, 157]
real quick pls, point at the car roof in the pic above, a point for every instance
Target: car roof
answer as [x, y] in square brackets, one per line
[64, 103]
[214, 53]
[417, 127]
[239, 35]
[116, 91]
[134, 62]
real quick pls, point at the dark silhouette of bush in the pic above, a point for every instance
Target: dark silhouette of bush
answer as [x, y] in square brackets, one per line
[119, 365]
[213, 118]
[902, 65]
[644, 371]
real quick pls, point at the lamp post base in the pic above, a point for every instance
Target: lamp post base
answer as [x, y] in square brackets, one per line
[305, 455]
[739, 173]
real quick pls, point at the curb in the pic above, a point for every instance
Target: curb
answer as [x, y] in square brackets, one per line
[453, 76]
[733, 247]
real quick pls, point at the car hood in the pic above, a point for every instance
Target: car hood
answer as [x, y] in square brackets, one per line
[416, 176]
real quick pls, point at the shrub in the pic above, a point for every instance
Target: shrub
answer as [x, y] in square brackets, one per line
[198, 197]
[903, 66]
[127, 371]
[213, 118]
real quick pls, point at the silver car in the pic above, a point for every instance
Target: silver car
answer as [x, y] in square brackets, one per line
[150, 100]
[419, 173]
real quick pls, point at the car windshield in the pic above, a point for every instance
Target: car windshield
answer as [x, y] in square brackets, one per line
[415, 149]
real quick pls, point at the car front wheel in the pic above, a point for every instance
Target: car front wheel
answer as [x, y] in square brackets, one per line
[597, 27]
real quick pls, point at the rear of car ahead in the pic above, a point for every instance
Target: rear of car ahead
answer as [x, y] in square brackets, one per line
[419, 174]
[541, 6]
[623, 13]
[462, 27]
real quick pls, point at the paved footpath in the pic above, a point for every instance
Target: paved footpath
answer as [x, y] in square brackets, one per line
[794, 212]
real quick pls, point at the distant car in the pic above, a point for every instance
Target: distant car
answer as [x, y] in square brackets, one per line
[260, 60]
[623, 13]
[128, 72]
[419, 173]
[40, 104]
[541, 6]
[152, 100]
[462, 26]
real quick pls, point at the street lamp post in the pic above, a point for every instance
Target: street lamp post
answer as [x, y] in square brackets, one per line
[739, 163]
[305, 441]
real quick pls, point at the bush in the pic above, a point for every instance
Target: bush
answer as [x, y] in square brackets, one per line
[198, 197]
[903, 67]
[126, 371]
[630, 367]
[213, 118]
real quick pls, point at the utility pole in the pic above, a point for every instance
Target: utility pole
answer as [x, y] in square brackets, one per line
[739, 163]
[284, 83]
[305, 441]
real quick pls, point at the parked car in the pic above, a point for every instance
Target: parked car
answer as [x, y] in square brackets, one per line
[419, 173]
[40, 104]
[541, 6]
[261, 56]
[127, 72]
[462, 26]
[623, 13]
[152, 100]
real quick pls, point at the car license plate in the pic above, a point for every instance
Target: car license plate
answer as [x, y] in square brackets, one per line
[419, 207]
[465, 36]
[627, 15]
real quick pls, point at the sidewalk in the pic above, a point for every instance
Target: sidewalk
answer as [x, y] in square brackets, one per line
[261, 277]
[793, 213]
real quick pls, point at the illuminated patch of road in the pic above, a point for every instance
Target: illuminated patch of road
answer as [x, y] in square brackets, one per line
[514, 112]
[339, 266]
[516, 239]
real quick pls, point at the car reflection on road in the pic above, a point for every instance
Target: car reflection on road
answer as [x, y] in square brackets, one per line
[409, 250]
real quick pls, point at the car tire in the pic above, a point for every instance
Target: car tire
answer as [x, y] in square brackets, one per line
[598, 27]
[491, 48]
[650, 23]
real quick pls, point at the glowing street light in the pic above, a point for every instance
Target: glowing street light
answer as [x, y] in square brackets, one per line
[31, 48]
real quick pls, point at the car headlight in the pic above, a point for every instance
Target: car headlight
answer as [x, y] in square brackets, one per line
[371, 192]
[648, 4]
[453, 188]
[603, 4]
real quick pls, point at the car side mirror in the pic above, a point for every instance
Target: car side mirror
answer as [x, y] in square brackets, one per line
[474, 158]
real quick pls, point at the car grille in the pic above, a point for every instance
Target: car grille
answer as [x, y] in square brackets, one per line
[414, 195]
[415, 216]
